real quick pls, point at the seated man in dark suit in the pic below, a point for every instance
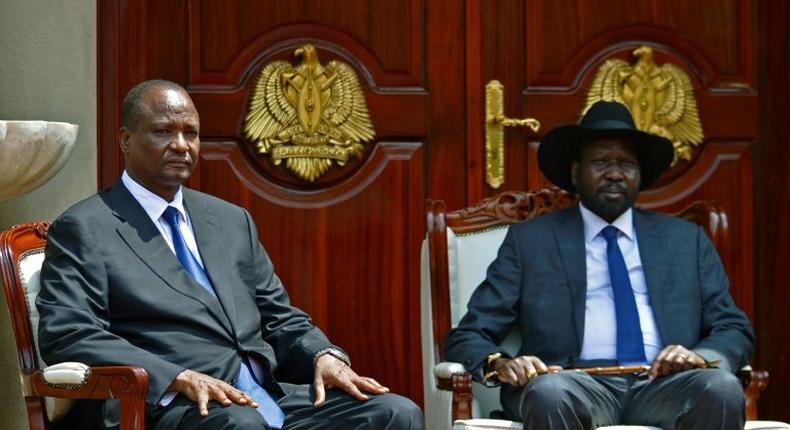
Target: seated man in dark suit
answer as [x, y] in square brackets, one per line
[153, 274]
[603, 283]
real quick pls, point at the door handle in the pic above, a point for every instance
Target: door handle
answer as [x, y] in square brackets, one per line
[495, 123]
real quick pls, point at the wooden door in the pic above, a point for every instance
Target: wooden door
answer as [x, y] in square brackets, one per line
[547, 54]
[347, 244]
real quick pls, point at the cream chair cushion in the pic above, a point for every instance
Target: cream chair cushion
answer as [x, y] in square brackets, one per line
[468, 258]
[29, 270]
[766, 425]
[486, 424]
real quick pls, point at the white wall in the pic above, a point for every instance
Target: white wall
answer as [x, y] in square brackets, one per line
[47, 72]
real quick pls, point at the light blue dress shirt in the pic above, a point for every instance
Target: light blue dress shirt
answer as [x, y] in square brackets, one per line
[600, 325]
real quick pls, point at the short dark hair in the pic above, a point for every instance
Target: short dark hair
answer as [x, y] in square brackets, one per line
[130, 108]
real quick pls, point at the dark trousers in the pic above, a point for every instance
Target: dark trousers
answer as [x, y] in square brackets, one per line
[340, 411]
[694, 399]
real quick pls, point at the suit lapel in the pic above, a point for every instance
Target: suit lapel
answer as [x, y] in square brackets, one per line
[142, 236]
[653, 253]
[207, 230]
[568, 230]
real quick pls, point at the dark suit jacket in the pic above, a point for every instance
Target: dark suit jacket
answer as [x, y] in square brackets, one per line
[539, 281]
[113, 293]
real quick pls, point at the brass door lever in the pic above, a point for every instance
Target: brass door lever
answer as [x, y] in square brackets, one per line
[496, 121]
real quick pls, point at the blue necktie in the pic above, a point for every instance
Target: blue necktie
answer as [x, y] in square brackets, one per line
[630, 346]
[267, 407]
[186, 258]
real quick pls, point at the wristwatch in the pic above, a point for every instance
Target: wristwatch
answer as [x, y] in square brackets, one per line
[334, 352]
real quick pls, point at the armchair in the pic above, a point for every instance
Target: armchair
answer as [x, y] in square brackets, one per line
[50, 391]
[457, 250]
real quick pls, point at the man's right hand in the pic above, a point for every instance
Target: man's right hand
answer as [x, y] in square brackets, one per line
[201, 389]
[520, 370]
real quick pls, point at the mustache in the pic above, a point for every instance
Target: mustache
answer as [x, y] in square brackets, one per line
[185, 160]
[612, 187]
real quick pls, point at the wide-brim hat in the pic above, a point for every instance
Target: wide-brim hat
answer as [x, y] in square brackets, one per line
[603, 119]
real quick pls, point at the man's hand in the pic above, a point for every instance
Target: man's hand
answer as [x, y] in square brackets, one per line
[673, 359]
[201, 389]
[520, 370]
[331, 372]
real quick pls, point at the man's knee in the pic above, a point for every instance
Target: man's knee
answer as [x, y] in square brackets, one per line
[391, 411]
[719, 388]
[237, 417]
[548, 391]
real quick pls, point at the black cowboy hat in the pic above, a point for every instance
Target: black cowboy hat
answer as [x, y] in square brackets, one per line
[603, 119]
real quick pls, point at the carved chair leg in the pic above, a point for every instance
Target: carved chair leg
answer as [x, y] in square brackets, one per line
[462, 396]
[754, 382]
[132, 414]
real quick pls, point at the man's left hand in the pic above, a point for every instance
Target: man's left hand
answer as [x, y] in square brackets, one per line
[673, 359]
[331, 372]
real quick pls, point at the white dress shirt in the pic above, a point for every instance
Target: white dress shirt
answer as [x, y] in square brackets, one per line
[600, 323]
[155, 206]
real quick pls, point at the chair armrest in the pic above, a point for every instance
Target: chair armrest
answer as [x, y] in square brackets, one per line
[454, 377]
[446, 369]
[754, 382]
[128, 384]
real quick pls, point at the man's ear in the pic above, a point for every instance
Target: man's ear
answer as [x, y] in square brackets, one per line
[126, 137]
[574, 172]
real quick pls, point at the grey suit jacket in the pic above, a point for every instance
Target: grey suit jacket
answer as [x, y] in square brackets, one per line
[113, 293]
[539, 281]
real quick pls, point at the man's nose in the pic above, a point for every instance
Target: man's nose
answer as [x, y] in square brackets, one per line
[179, 143]
[614, 172]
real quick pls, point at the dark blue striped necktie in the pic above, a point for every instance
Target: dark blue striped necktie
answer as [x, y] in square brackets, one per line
[630, 345]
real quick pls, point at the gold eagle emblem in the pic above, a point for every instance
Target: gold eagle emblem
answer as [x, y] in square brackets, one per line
[660, 98]
[309, 115]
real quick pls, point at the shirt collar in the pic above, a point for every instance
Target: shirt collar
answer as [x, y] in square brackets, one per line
[593, 224]
[153, 205]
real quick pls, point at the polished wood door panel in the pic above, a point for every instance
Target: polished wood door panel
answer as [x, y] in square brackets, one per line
[772, 208]
[563, 36]
[547, 53]
[343, 253]
[224, 35]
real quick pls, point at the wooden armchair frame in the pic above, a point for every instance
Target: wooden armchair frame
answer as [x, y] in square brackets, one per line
[514, 207]
[128, 384]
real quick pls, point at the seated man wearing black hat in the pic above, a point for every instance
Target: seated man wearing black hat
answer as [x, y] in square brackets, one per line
[603, 284]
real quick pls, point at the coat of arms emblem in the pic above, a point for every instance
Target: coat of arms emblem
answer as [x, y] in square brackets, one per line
[660, 98]
[309, 115]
